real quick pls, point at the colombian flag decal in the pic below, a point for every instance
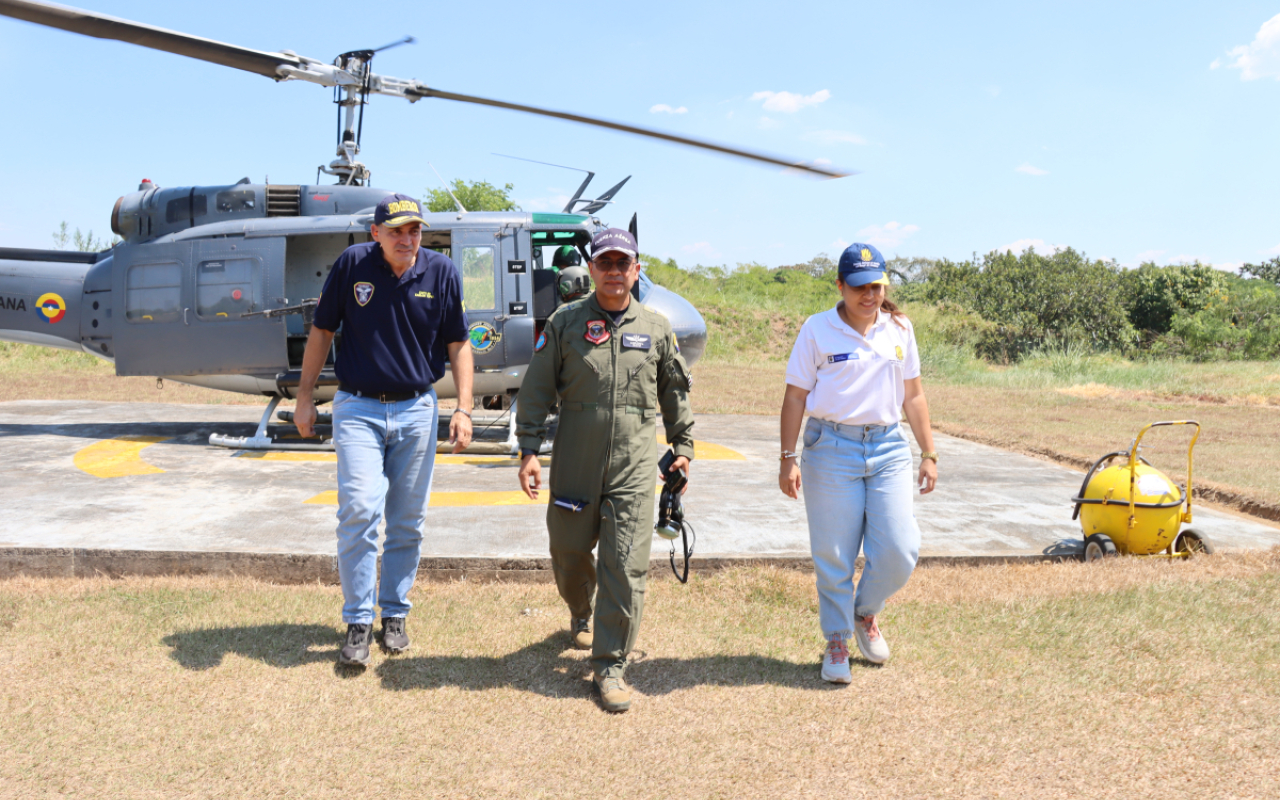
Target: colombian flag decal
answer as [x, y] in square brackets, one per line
[51, 307]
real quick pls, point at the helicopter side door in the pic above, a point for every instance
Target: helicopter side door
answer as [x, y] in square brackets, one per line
[182, 305]
[476, 253]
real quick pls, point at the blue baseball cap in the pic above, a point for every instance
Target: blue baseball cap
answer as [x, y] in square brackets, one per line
[861, 264]
[614, 239]
[396, 210]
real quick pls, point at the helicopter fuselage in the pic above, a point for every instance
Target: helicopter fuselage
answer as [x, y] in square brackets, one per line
[171, 299]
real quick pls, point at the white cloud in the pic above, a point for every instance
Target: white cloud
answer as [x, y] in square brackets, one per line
[839, 244]
[834, 137]
[1027, 169]
[788, 103]
[1017, 247]
[1273, 251]
[768, 124]
[888, 235]
[663, 108]
[822, 162]
[1258, 59]
[702, 250]
[1150, 255]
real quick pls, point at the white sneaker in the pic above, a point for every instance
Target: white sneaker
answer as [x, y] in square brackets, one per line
[835, 662]
[870, 642]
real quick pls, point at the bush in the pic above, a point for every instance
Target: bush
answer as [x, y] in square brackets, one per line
[1154, 295]
[1241, 322]
[1034, 301]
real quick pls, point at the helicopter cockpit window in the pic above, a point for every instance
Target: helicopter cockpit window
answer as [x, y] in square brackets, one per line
[476, 265]
[153, 293]
[236, 200]
[225, 289]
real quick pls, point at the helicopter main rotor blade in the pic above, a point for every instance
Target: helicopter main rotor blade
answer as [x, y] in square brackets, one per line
[421, 90]
[102, 26]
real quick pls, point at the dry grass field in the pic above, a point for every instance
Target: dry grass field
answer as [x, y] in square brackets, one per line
[1133, 678]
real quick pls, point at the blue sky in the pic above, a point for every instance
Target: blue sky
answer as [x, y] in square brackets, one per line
[1130, 131]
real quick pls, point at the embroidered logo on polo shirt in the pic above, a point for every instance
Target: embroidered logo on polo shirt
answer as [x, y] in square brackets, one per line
[597, 332]
[364, 291]
[838, 357]
[898, 351]
[427, 295]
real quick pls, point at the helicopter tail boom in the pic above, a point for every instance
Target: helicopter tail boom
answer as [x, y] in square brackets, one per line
[41, 297]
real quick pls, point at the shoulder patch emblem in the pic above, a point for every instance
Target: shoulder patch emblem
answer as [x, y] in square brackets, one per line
[597, 332]
[675, 342]
[541, 343]
[364, 291]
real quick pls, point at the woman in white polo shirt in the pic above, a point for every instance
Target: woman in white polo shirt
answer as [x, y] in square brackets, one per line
[854, 369]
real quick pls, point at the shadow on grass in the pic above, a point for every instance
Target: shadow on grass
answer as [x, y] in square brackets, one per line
[281, 645]
[546, 668]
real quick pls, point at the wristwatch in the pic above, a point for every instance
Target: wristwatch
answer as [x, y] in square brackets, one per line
[931, 454]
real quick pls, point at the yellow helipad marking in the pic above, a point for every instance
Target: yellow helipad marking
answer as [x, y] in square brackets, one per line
[706, 451]
[459, 499]
[455, 499]
[117, 458]
[440, 459]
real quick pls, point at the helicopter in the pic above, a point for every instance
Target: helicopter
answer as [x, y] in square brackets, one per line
[214, 285]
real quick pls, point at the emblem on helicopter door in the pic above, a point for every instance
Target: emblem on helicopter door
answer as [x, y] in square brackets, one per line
[364, 291]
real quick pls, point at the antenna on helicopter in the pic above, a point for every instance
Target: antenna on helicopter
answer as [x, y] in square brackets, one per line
[461, 209]
[568, 208]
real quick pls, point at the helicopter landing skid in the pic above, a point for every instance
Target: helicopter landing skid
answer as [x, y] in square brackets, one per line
[261, 441]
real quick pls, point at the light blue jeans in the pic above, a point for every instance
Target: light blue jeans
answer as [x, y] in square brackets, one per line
[386, 452]
[858, 486]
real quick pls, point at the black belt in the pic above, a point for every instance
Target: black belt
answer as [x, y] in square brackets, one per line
[382, 397]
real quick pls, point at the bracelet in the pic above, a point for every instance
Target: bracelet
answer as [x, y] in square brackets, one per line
[462, 411]
[786, 454]
[931, 454]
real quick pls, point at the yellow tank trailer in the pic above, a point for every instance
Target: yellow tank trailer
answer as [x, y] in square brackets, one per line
[1136, 509]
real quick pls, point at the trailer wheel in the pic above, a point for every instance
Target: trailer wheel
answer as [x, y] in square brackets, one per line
[1099, 546]
[1192, 544]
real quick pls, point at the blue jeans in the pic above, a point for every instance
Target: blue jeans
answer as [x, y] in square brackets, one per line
[386, 452]
[858, 486]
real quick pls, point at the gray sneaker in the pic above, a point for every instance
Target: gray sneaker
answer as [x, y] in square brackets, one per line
[835, 661]
[394, 637]
[355, 652]
[870, 641]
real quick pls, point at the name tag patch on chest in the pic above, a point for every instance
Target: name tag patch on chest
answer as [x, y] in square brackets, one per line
[597, 332]
[838, 357]
[636, 341]
[364, 291]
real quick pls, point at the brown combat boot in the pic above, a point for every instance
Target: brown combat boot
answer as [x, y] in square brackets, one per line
[580, 630]
[614, 693]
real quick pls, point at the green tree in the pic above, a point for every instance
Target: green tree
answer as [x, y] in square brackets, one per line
[84, 242]
[1268, 270]
[1153, 295]
[474, 196]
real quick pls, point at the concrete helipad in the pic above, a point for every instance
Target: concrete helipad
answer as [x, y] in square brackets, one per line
[124, 488]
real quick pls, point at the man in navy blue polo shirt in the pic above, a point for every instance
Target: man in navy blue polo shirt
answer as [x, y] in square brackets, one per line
[401, 312]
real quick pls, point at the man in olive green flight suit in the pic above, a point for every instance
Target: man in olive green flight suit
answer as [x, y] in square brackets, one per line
[614, 364]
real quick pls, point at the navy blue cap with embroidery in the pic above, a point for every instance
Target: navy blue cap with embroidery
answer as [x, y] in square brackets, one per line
[861, 264]
[614, 239]
[396, 210]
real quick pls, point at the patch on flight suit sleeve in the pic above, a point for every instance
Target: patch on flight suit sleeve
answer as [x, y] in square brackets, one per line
[675, 342]
[541, 343]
